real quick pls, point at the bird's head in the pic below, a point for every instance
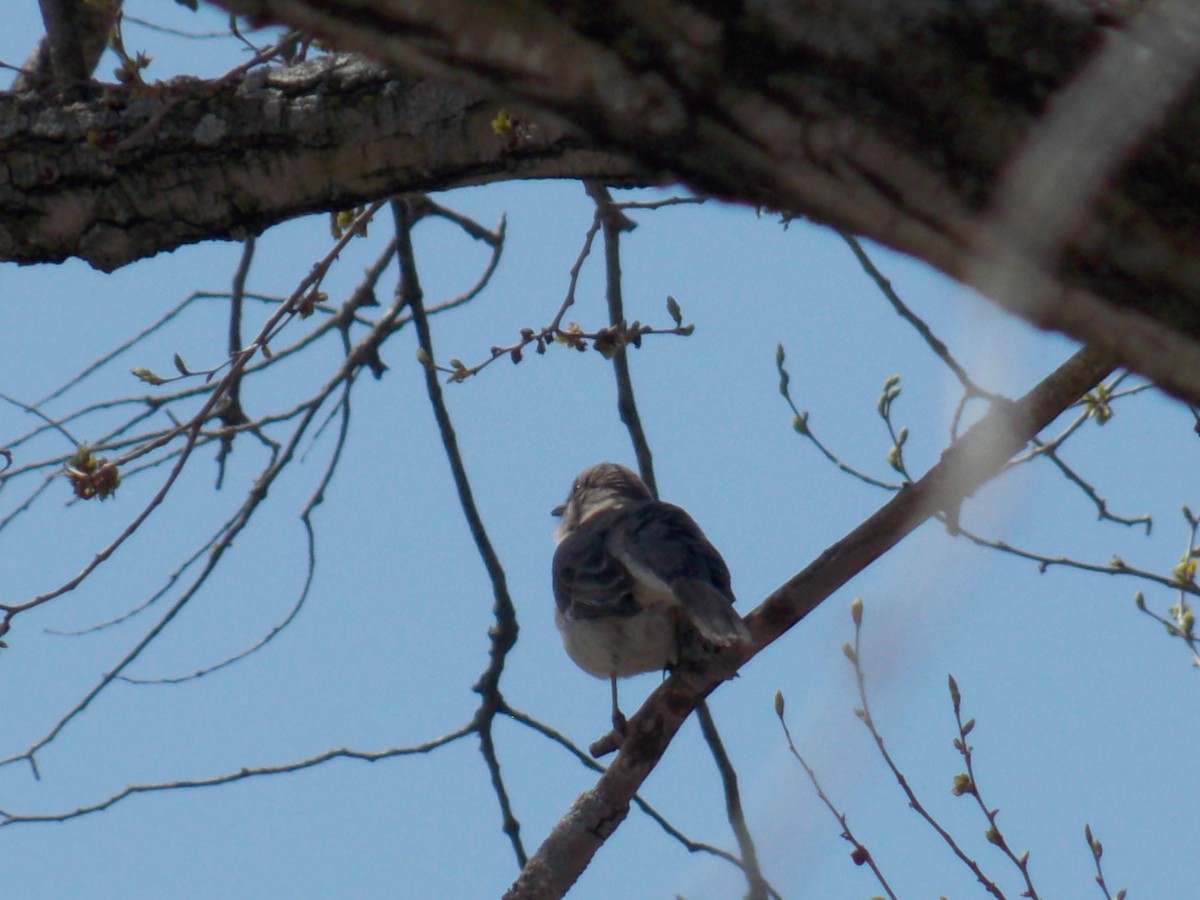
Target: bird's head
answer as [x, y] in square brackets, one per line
[603, 486]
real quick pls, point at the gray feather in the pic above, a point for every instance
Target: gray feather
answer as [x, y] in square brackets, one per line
[711, 612]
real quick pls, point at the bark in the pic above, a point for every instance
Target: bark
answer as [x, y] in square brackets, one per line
[130, 173]
[952, 130]
[901, 121]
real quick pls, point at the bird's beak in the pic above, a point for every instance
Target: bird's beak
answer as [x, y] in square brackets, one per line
[559, 510]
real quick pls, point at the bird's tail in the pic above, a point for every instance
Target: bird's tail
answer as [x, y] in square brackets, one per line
[711, 612]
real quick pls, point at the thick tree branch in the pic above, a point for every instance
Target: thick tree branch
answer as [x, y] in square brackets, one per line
[896, 121]
[973, 459]
[129, 174]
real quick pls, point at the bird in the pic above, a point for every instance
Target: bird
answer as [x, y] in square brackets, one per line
[636, 582]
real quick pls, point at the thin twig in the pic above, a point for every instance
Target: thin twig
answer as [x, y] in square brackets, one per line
[1091, 493]
[802, 426]
[9, 818]
[231, 412]
[860, 855]
[969, 784]
[940, 350]
[854, 654]
[1118, 566]
[733, 804]
[1097, 850]
[503, 634]
[614, 222]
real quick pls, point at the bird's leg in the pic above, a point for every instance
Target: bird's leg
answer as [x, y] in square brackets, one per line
[614, 739]
[618, 717]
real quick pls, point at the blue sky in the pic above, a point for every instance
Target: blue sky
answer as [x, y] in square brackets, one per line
[1078, 697]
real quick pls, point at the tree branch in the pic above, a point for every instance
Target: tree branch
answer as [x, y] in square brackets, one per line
[100, 180]
[899, 122]
[969, 462]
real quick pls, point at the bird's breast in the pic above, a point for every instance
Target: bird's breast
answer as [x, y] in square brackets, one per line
[622, 645]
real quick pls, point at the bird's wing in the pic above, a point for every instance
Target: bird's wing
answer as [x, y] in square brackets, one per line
[711, 612]
[661, 543]
[589, 580]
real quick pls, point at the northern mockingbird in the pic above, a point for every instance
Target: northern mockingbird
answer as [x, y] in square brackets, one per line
[636, 581]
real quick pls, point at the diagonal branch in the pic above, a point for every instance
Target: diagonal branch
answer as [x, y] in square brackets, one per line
[968, 463]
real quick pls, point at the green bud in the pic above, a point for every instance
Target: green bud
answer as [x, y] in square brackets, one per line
[779, 704]
[502, 124]
[147, 376]
[1185, 570]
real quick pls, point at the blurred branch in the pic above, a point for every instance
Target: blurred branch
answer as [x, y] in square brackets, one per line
[76, 35]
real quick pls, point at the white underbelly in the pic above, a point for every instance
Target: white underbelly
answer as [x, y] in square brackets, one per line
[646, 642]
